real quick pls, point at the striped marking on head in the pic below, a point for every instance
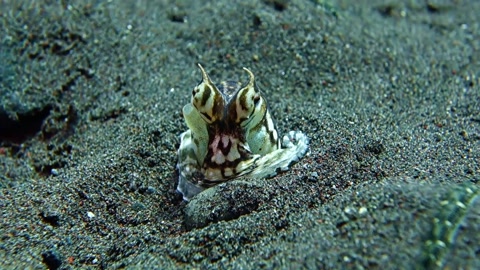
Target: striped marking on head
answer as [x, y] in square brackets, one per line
[207, 99]
[250, 107]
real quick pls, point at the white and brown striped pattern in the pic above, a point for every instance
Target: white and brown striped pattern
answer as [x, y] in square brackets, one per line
[231, 134]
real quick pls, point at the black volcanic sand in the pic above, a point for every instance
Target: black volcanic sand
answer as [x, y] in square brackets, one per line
[91, 113]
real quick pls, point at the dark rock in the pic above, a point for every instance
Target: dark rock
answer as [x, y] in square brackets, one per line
[224, 202]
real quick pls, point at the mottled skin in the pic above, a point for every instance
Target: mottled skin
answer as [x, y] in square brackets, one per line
[231, 134]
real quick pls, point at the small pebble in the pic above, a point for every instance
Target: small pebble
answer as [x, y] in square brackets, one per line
[313, 177]
[54, 172]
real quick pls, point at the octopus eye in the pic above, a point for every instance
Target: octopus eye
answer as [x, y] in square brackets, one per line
[256, 99]
[195, 91]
